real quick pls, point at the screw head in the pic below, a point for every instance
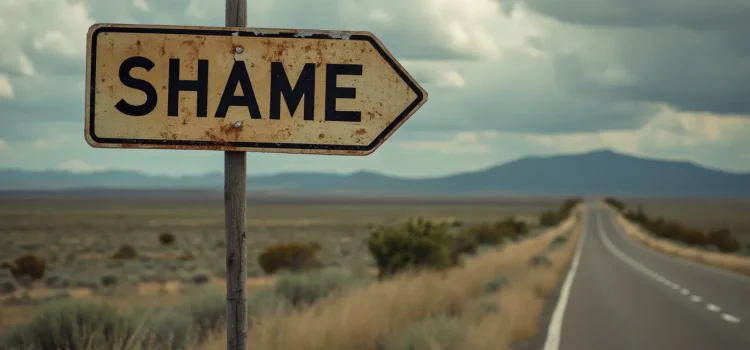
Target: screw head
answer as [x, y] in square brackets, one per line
[238, 124]
[238, 49]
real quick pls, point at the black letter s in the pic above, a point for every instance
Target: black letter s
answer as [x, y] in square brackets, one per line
[139, 84]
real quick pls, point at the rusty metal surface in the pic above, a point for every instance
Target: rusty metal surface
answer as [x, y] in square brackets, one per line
[386, 94]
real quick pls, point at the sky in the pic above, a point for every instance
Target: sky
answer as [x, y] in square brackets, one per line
[506, 79]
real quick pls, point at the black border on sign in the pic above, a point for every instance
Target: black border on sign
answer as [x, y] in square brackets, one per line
[231, 32]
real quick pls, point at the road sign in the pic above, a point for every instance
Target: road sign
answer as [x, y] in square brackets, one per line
[243, 89]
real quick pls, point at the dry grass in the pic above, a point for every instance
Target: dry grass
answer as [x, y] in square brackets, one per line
[360, 318]
[734, 263]
[522, 302]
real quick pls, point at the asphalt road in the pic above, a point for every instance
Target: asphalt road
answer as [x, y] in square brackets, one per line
[622, 296]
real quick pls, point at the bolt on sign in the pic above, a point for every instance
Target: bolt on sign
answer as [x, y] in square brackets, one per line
[243, 89]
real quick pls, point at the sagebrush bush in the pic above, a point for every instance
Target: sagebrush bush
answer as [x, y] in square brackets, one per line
[722, 239]
[305, 289]
[265, 301]
[619, 205]
[441, 332]
[169, 329]
[126, 251]
[74, 325]
[290, 256]
[166, 238]
[464, 243]
[186, 256]
[558, 241]
[495, 284]
[417, 244]
[540, 260]
[549, 218]
[28, 267]
[208, 313]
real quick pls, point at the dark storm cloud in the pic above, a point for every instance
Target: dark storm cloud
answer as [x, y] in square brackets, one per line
[692, 14]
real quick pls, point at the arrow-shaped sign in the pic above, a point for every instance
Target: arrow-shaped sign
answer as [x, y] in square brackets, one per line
[244, 89]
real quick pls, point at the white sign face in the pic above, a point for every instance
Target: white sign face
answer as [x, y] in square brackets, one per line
[243, 89]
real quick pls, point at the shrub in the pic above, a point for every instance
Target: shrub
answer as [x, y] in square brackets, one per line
[74, 324]
[266, 301]
[291, 256]
[305, 289]
[171, 329]
[416, 245]
[208, 313]
[126, 251]
[494, 234]
[166, 238]
[558, 241]
[540, 260]
[519, 226]
[463, 243]
[619, 205]
[441, 332]
[494, 285]
[722, 239]
[5, 266]
[28, 267]
[186, 256]
[548, 218]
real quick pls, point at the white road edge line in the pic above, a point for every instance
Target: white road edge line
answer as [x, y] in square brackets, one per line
[686, 262]
[712, 307]
[729, 318]
[554, 330]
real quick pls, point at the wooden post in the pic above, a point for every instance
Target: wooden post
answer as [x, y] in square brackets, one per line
[235, 201]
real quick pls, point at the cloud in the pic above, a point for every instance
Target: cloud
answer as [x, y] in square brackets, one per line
[460, 143]
[6, 90]
[705, 138]
[659, 77]
[79, 166]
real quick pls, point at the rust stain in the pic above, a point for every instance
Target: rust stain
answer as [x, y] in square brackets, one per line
[184, 121]
[321, 136]
[231, 130]
[360, 131]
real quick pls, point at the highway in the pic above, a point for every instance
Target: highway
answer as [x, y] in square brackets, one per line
[620, 295]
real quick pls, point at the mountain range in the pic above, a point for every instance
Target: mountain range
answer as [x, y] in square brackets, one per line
[601, 172]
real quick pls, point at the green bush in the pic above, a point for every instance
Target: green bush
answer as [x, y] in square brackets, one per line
[28, 267]
[548, 218]
[169, 329]
[266, 301]
[540, 260]
[619, 205]
[558, 241]
[495, 284]
[208, 313]
[126, 251]
[417, 244]
[166, 238]
[464, 243]
[305, 289]
[722, 239]
[74, 324]
[290, 256]
[441, 332]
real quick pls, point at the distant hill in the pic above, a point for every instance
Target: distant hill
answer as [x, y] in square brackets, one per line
[593, 173]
